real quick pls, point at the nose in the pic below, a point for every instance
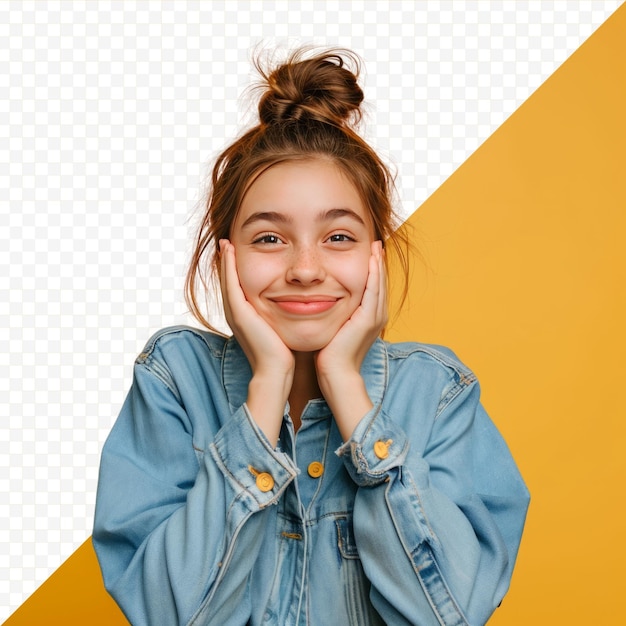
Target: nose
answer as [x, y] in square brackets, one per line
[305, 267]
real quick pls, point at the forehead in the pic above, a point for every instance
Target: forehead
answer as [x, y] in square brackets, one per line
[296, 187]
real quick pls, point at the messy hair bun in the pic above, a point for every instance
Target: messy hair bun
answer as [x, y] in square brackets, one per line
[323, 88]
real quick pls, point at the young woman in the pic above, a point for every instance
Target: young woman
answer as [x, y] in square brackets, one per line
[303, 471]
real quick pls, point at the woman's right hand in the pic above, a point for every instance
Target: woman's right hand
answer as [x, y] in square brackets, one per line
[272, 362]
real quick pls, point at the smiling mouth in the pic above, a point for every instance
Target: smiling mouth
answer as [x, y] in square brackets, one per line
[308, 307]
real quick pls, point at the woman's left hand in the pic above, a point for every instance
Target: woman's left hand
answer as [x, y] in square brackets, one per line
[338, 364]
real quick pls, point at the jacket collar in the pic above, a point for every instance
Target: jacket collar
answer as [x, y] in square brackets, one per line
[236, 372]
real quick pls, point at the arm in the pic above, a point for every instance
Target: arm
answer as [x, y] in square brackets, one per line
[176, 528]
[271, 361]
[450, 510]
[338, 364]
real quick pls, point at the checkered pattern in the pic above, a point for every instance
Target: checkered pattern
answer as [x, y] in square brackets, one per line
[110, 115]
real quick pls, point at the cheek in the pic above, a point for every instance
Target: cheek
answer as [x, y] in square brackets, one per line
[354, 276]
[254, 275]
[248, 280]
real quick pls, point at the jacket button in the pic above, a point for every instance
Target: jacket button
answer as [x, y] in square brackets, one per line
[381, 448]
[315, 469]
[265, 482]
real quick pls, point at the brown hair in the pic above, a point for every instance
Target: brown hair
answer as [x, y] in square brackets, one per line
[308, 110]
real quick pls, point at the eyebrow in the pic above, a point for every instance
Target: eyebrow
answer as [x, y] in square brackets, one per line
[281, 218]
[267, 216]
[333, 214]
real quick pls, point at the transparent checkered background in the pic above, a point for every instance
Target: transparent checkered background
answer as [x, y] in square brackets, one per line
[110, 113]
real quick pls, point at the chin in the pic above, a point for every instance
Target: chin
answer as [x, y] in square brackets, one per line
[303, 345]
[301, 342]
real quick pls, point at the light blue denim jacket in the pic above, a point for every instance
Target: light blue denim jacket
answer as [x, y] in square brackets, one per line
[416, 519]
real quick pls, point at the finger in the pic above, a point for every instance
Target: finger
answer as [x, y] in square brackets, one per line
[372, 284]
[382, 294]
[222, 248]
[232, 294]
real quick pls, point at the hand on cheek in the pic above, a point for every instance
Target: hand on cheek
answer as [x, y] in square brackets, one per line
[338, 365]
[271, 361]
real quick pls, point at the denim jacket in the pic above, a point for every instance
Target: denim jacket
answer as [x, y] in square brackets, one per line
[416, 519]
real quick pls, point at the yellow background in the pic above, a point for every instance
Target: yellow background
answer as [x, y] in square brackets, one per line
[524, 275]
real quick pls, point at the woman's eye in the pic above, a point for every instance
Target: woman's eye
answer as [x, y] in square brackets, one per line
[267, 238]
[339, 238]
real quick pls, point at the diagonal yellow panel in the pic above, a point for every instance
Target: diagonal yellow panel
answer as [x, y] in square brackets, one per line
[73, 596]
[524, 276]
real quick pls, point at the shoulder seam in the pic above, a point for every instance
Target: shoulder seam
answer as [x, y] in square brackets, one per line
[171, 330]
[451, 362]
[147, 361]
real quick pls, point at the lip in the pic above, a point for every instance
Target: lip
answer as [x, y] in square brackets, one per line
[305, 306]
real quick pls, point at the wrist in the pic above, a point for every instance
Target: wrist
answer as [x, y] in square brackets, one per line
[267, 397]
[348, 400]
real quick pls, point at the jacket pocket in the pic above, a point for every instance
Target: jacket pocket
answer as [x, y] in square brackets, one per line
[345, 538]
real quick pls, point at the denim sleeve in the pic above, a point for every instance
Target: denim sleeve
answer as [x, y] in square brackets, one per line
[437, 527]
[177, 530]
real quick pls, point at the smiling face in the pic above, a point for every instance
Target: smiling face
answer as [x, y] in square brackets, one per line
[302, 241]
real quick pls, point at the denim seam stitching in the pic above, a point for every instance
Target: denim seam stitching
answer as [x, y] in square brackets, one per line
[452, 395]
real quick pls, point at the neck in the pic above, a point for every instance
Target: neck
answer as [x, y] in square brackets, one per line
[304, 386]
